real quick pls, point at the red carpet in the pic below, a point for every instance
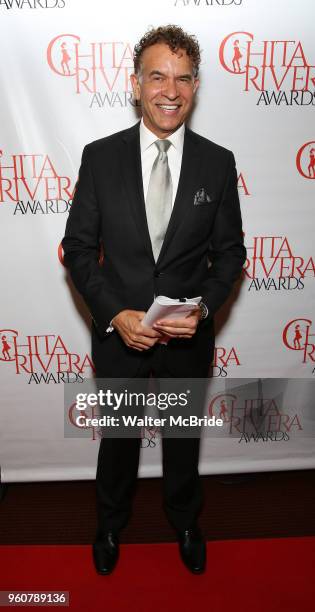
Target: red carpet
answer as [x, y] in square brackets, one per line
[267, 575]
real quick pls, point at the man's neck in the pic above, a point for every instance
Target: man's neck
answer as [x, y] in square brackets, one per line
[161, 135]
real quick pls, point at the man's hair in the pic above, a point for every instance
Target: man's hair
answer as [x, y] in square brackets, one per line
[175, 38]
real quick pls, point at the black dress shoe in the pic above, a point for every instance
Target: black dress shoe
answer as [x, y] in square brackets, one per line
[192, 548]
[106, 552]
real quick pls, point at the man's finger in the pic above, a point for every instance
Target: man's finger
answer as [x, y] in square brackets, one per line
[175, 326]
[183, 322]
[137, 339]
[171, 331]
[144, 339]
[148, 331]
[137, 345]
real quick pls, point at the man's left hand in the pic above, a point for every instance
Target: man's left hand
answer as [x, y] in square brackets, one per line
[179, 328]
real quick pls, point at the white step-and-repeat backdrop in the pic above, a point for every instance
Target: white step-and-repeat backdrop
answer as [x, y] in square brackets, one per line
[64, 72]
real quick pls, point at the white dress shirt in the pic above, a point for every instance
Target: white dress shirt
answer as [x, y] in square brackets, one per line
[149, 153]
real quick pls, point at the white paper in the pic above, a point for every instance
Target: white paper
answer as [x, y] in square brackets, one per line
[168, 308]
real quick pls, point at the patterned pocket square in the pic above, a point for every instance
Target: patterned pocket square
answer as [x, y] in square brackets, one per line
[201, 197]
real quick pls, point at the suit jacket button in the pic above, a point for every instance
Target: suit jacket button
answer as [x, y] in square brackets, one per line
[158, 274]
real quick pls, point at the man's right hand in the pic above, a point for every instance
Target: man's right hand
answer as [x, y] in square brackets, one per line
[135, 335]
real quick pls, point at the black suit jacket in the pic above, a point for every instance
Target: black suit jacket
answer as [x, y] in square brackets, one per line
[109, 207]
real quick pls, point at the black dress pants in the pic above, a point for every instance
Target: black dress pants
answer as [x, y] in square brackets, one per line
[118, 462]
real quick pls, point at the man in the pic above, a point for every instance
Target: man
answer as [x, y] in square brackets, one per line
[163, 201]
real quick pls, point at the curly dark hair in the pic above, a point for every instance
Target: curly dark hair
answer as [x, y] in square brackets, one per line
[175, 38]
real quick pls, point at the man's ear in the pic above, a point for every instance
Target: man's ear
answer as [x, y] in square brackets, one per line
[135, 86]
[196, 85]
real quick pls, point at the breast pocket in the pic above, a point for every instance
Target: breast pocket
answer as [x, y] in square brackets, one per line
[203, 212]
[199, 221]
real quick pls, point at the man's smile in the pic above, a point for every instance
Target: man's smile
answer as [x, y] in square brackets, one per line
[169, 109]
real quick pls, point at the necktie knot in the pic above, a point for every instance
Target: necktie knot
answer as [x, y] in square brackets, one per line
[163, 146]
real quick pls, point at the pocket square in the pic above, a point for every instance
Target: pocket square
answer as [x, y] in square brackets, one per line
[201, 197]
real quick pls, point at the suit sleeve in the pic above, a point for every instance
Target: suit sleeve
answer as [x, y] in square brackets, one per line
[81, 245]
[227, 253]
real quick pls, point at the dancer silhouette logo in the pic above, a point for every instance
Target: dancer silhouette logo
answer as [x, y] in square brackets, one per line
[305, 160]
[298, 336]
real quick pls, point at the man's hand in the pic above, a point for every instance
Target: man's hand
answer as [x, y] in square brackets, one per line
[135, 335]
[180, 328]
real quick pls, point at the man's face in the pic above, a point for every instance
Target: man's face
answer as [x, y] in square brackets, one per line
[166, 87]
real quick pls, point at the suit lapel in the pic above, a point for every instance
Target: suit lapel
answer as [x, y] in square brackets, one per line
[191, 163]
[132, 172]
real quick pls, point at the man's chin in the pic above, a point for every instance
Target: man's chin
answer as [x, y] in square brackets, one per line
[168, 127]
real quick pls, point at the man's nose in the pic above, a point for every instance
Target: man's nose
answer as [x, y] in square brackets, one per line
[170, 89]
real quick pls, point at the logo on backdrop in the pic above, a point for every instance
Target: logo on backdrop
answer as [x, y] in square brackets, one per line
[224, 359]
[32, 4]
[207, 2]
[279, 70]
[253, 418]
[99, 69]
[33, 185]
[305, 160]
[272, 265]
[43, 358]
[298, 336]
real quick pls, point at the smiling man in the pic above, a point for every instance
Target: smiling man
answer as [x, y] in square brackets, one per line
[163, 201]
[165, 82]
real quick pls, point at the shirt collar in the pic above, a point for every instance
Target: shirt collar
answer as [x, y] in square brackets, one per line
[147, 138]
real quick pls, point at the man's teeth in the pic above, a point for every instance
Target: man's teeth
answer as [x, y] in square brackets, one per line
[169, 107]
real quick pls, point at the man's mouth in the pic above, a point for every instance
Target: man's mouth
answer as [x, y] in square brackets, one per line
[168, 109]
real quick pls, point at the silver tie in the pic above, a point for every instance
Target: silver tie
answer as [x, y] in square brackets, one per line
[159, 197]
